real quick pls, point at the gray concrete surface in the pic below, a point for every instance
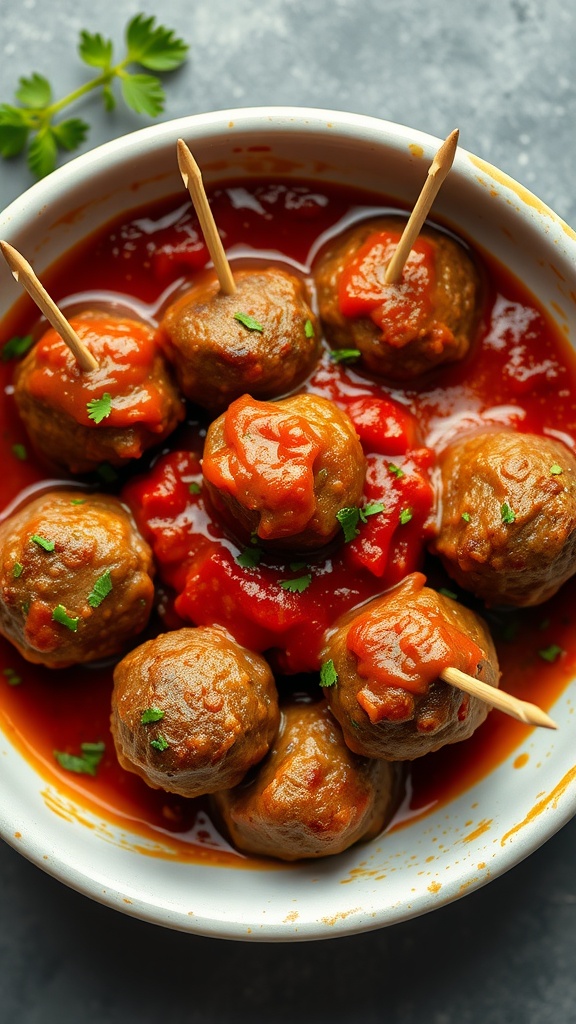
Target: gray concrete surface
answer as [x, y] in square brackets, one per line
[503, 71]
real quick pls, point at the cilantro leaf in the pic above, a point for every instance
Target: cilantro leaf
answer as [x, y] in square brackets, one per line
[248, 321]
[154, 47]
[372, 509]
[551, 653]
[71, 133]
[42, 153]
[345, 355]
[507, 514]
[16, 347]
[297, 586]
[328, 674]
[99, 408]
[48, 545]
[17, 570]
[143, 93]
[395, 470]
[556, 470]
[309, 329]
[13, 131]
[11, 676]
[249, 558]
[194, 488]
[102, 587]
[95, 50]
[151, 715]
[86, 763]
[160, 743]
[108, 98]
[405, 516]
[19, 451]
[34, 92]
[61, 616]
[349, 518]
[466, 517]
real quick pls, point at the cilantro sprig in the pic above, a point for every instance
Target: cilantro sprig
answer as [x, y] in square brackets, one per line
[33, 124]
[351, 516]
[99, 409]
[84, 764]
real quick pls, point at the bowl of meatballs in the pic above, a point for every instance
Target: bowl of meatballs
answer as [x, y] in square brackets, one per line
[279, 534]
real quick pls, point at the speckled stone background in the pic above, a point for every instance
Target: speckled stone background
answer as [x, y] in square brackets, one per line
[503, 72]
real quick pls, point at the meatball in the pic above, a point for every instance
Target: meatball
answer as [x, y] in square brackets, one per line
[311, 796]
[264, 339]
[283, 470]
[75, 578]
[192, 711]
[382, 667]
[401, 330]
[78, 419]
[508, 523]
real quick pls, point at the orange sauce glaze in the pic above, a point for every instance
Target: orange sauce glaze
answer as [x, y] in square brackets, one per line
[519, 373]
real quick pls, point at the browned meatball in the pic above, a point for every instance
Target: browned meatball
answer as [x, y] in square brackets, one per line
[284, 469]
[508, 525]
[405, 329]
[311, 796]
[264, 339]
[192, 711]
[382, 667]
[78, 419]
[75, 578]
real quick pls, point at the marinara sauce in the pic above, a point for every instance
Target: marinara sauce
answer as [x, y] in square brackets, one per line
[519, 373]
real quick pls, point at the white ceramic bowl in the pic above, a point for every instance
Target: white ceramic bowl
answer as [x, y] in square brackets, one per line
[490, 827]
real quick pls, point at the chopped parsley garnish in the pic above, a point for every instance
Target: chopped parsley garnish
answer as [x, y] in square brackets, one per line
[556, 470]
[309, 329]
[350, 518]
[86, 763]
[61, 615]
[248, 321]
[466, 517]
[100, 408]
[249, 558]
[17, 570]
[160, 743]
[194, 487]
[78, 501]
[101, 589]
[296, 566]
[405, 516]
[507, 514]
[48, 545]
[298, 585]
[19, 450]
[345, 355]
[395, 470]
[551, 653]
[12, 677]
[448, 593]
[16, 347]
[151, 715]
[328, 674]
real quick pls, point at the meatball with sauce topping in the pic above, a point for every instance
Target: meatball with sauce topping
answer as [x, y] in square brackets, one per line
[264, 339]
[283, 470]
[75, 578]
[508, 524]
[384, 662]
[192, 711]
[408, 328]
[311, 796]
[79, 419]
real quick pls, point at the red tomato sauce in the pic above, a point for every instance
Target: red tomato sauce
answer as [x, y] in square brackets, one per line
[520, 373]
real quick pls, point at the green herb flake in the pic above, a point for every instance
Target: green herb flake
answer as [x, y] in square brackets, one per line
[249, 558]
[372, 509]
[448, 593]
[100, 408]
[61, 616]
[466, 517]
[101, 589]
[194, 488]
[405, 516]
[328, 674]
[248, 321]
[17, 570]
[309, 329]
[19, 451]
[160, 743]
[86, 763]
[395, 470]
[151, 715]
[48, 545]
[349, 518]
[297, 586]
[16, 347]
[507, 514]
[551, 653]
[556, 470]
[11, 676]
[107, 473]
[297, 566]
[78, 501]
[345, 355]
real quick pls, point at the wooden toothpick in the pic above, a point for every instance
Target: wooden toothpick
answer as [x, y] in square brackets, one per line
[192, 179]
[531, 714]
[439, 168]
[24, 274]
